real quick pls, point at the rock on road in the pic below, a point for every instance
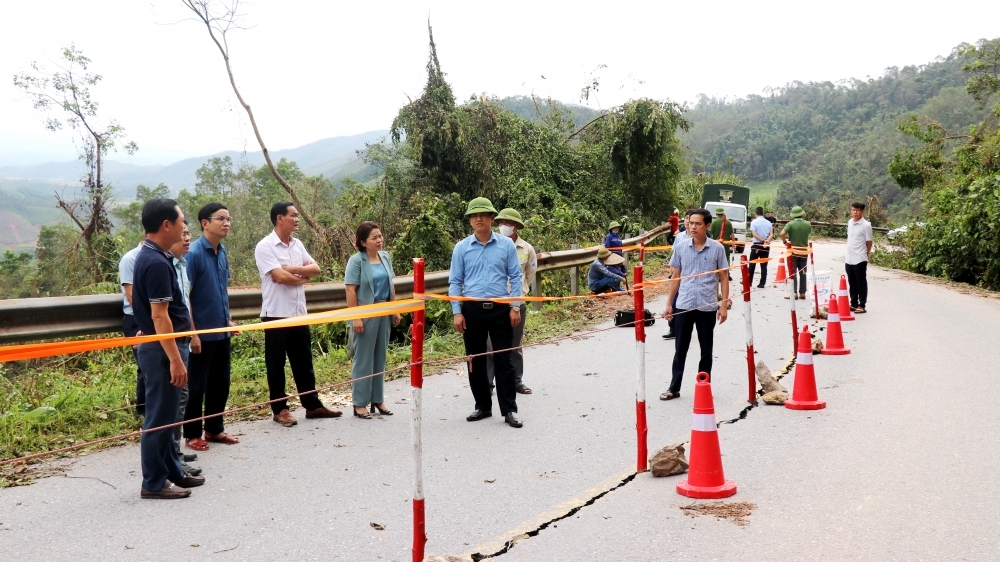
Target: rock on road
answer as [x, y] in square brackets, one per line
[903, 464]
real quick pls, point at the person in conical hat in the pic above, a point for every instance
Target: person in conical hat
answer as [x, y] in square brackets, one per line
[601, 278]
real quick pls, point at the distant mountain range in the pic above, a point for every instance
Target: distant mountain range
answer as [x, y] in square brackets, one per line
[328, 157]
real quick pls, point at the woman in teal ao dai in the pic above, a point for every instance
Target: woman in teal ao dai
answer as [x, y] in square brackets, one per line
[369, 280]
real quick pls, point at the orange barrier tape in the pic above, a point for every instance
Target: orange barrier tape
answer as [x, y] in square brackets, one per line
[39, 350]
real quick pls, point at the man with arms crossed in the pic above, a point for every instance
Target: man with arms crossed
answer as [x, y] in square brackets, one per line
[285, 266]
[158, 306]
[210, 363]
[485, 265]
[696, 297]
[859, 246]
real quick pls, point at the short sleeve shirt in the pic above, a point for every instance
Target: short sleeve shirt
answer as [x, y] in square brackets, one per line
[699, 291]
[280, 301]
[155, 281]
[858, 235]
[798, 232]
[208, 271]
[762, 228]
[126, 268]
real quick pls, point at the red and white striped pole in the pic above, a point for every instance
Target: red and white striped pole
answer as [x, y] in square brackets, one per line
[641, 430]
[812, 261]
[751, 368]
[791, 295]
[416, 421]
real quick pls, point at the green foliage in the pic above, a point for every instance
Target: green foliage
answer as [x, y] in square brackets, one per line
[960, 186]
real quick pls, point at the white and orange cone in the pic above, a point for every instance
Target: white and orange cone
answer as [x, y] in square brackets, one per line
[804, 395]
[705, 476]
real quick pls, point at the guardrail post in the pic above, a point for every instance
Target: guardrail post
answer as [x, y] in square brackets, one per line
[416, 420]
[641, 430]
[574, 275]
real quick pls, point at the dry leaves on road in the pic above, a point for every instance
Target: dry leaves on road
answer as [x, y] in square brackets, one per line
[737, 512]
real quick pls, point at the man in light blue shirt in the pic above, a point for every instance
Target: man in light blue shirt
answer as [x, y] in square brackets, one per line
[485, 265]
[697, 265]
[763, 232]
[126, 274]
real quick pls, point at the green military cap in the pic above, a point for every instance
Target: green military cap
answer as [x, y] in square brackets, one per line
[614, 224]
[480, 205]
[510, 215]
[797, 212]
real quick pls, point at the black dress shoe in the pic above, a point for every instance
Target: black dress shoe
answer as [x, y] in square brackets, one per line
[189, 481]
[669, 336]
[190, 470]
[189, 458]
[512, 419]
[479, 415]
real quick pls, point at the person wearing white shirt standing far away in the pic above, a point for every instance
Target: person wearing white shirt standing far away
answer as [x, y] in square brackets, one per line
[859, 246]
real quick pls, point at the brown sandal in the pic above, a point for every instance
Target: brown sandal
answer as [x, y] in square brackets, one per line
[197, 444]
[669, 395]
[223, 437]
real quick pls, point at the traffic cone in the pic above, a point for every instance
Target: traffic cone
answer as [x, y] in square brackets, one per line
[782, 276]
[804, 396]
[705, 477]
[834, 336]
[844, 301]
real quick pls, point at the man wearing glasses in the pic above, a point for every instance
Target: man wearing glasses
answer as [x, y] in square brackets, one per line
[485, 265]
[209, 362]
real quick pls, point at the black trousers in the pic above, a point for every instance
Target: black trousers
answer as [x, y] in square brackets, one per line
[493, 323]
[208, 382]
[296, 344]
[684, 324]
[857, 282]
[799, 264]
[130, 328]
[758, 253]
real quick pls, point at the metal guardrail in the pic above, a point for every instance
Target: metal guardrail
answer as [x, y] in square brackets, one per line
[829, 224]
[24, 320]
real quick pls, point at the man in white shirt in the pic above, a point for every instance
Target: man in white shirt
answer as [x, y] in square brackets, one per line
[859, 245]
[763, 232]
[285, 267]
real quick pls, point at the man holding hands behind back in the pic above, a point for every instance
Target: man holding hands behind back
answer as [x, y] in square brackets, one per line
[485, 265]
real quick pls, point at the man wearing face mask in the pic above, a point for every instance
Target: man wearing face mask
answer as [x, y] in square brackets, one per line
[510, 224]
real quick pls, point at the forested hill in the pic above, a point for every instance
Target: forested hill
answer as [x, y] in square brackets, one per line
[829, 141]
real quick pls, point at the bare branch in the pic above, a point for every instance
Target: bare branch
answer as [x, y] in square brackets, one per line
[589, 123]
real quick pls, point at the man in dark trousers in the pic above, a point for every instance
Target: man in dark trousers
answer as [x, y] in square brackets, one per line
[762, 231]
[285, 267]
[696, 297]
[859, 246]
[486, 265]
[158, 307]
[797, 233]
[209, 366]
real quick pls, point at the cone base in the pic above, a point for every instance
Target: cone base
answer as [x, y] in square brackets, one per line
[805, 404]
[828, 351]
[728, 488]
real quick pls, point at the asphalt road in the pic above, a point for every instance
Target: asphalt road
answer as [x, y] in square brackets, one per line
[902, 465]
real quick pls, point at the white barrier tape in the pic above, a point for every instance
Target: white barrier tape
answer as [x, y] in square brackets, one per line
[835, 317]
[703, 422]
[804, 358]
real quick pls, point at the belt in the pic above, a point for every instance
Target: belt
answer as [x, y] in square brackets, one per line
[487, 305]
[186, 339]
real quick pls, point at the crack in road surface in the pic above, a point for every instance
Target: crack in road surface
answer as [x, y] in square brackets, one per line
[476, 557]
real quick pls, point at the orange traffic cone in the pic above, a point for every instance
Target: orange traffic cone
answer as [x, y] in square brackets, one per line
[705, 477]
[844, 301]
[834, 336]
[782, 276]
[804, 396]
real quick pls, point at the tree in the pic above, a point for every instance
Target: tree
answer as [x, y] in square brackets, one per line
[984, 67]
[68, 89]
[220, 17]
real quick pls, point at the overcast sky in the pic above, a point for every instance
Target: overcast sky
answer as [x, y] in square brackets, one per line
[317, 69]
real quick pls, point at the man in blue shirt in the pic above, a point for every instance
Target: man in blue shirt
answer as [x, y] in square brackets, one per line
[600, 277]
[696, 304]
[762, 231]
[485, 265]
[209, 369]
[158, 307]
[126, 267]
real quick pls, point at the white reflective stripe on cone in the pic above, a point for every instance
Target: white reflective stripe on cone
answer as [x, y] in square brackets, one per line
[804, 358]
[842, 292]
[833, 317]
[703, 422]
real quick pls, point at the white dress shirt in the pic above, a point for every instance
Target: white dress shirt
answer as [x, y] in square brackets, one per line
[280, 301]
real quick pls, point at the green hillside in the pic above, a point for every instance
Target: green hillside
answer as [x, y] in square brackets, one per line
[824, 141]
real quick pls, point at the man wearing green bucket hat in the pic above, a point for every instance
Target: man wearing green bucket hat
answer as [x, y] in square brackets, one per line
[797, 233]
[510, 224]
[483, 266]
[600, 277]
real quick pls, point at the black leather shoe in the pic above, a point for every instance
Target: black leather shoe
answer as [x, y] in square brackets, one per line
[478, 415]
[512, 419]
[189, 481]
[669, 336]
[189, 458]
[190, 470]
